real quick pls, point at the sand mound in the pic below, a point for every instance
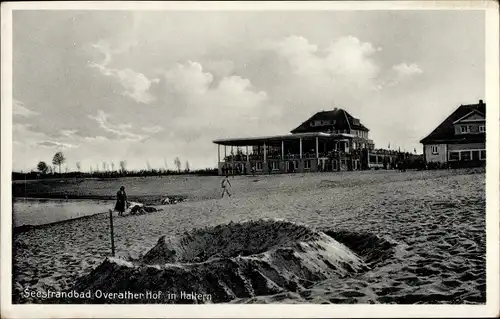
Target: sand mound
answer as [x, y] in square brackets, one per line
[236, 260]
[372, 249]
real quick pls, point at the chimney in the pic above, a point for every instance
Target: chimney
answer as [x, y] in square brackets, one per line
[481, 102]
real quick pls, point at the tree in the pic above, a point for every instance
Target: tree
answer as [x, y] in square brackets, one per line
[187, 167]
[123, 166]
[42, 167]
[78, 166]
[177, 163]
[58, 160]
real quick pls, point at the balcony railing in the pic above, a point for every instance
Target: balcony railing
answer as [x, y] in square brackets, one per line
[277, 156]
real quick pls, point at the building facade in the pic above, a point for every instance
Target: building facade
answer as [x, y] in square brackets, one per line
[328, 141]
[460, 140]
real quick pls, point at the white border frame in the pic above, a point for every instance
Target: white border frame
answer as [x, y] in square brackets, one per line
[257, 311]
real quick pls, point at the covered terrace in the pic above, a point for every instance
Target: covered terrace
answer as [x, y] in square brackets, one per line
[290, 146]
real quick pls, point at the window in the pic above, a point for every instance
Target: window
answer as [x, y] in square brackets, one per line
[295, 164]
[482, 128]
[465, 156]
[454, 156]
[274, 165]
[434, 149]
[307, 164]
[475, 155]
[463, 128]
[259, 166]
[482, 155]
[353, 145]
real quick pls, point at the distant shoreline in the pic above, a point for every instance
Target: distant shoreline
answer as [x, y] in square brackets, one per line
[52, 196]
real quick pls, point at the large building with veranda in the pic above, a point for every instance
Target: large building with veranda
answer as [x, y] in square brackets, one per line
[328, 141]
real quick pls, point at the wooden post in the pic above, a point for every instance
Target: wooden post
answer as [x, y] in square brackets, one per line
[232, 161]
[282, 150]
[317, 148]
[218, 154]
[300, 147]
[112, 233]
[265, 152]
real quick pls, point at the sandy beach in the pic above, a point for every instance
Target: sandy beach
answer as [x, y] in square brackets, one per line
[436, 219]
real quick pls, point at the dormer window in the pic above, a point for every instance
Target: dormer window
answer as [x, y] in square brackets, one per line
[464, 129]
[482, 128]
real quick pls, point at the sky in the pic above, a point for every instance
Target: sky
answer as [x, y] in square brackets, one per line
[146, 87]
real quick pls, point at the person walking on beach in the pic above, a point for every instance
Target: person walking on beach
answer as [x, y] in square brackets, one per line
[223, 185]
[121, 201]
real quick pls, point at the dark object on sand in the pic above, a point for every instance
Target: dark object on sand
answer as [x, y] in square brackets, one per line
[139, 209]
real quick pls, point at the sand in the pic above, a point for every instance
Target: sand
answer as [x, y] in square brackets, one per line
[436, 219]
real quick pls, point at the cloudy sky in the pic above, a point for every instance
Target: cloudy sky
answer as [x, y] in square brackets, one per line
[147, 87]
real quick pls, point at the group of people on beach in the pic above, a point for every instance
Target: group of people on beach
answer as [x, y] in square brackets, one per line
[122, 202]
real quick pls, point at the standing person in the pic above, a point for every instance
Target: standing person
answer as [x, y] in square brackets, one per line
[223, 185]
[121, 201]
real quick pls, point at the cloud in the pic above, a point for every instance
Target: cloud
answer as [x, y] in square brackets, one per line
[188, 78]
[405, 69]
[21, 110]
[400, 73]
[345, 59]
[121, 131]
[220, 68]
[53, 144]
[69, 133]
[136, 84]
[341, 73]
[23, 134]
[199, 107]
[152, 129]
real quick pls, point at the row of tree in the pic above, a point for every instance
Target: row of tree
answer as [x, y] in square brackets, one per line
[109, 170]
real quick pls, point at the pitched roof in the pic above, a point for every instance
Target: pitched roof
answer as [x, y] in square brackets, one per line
[343, 120]
[446, 131]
